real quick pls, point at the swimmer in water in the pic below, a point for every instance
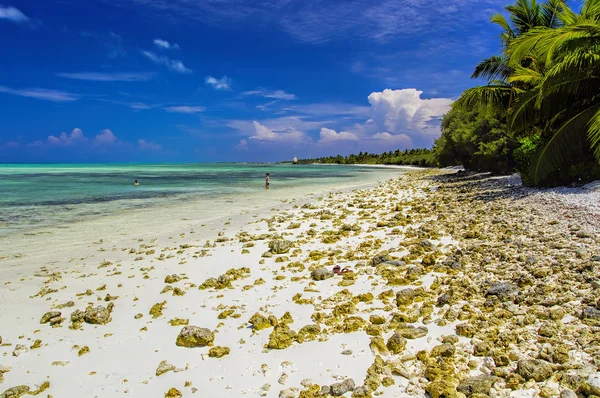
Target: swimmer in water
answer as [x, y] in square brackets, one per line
[136, 183]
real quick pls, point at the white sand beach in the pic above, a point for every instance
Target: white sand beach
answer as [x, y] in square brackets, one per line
[384, 325]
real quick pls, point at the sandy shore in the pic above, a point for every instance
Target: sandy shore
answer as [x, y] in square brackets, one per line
[461, 286]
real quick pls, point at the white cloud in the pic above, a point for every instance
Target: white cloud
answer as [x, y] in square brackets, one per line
[405, 111]
[274, 94]
[166, 45]
[322, 21]
[76, 137]
[263, 133]
[149, 146]
[328, 135]
[185, 109]
[223, 83]
[105, 137]
[173, 64]
[12, 14]
[396, 139]
[41, 94]
[109, 77]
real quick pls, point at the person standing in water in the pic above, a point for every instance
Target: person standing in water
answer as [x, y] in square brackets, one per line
[267, 180]
[136, 183]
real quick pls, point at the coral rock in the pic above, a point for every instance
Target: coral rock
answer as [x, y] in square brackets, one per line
[194, 336]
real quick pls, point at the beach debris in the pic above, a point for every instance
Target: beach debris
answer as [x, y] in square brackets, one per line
[536, 369]
[157, 309]
[194, 336]
[52, 317]
[19, 350]
[281, 337]
[321, 273]
[173, 393]
[260, 322]
[396, 343]
[218, 352]
[15, 392]
[164, 367]
[97, 315]
[280, 246]
[339, 389]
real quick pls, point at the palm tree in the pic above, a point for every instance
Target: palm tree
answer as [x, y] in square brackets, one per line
[567, 95]
[548, 77]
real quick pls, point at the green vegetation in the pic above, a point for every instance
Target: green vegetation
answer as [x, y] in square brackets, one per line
[544, 92]
[409, 157]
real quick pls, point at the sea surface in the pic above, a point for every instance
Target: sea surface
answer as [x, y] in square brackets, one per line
[52, 199]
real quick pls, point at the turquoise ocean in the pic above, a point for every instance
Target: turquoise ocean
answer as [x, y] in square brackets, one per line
[39, 197]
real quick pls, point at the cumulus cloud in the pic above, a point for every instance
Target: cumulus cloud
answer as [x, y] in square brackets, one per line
[76, 137]
[41, 94]
[328, 135]
[274, 94]
[223, 83]
[263, 133]
[149, 146]
[12, 14]
[173, 64]
[109, 77]
[105, 137]
[405, 111]
[396, 139]
[185, 109]
[166, 45]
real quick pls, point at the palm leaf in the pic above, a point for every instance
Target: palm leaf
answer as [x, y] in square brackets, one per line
[492, 67]
[550, 13]
[568, 142]
[499, 20]
[526, 76]
[493, 95]
[594, 134]
[524, 111]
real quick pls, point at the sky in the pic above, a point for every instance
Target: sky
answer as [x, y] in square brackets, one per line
[232, 80]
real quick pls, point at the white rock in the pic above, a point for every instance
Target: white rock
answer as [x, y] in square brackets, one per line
[288, 393]
[306, 383]
[19, 349]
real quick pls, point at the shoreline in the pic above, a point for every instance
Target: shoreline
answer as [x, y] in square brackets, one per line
[448, 273]
[176, 216]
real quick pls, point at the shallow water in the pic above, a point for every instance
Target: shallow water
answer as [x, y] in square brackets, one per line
[62, 202]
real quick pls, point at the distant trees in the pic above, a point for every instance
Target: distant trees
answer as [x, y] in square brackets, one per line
[414, 157]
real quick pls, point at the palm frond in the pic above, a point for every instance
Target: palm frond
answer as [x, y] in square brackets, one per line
[525, 76]
[524, 111]
[594, 134]
[590, 9]
[493, 95]
[493, 67]
[550, 13]
[499, 20]
[567, 142]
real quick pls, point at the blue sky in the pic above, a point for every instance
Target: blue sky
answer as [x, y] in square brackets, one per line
[231, 80]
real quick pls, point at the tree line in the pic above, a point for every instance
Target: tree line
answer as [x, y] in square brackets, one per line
[409, 157]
